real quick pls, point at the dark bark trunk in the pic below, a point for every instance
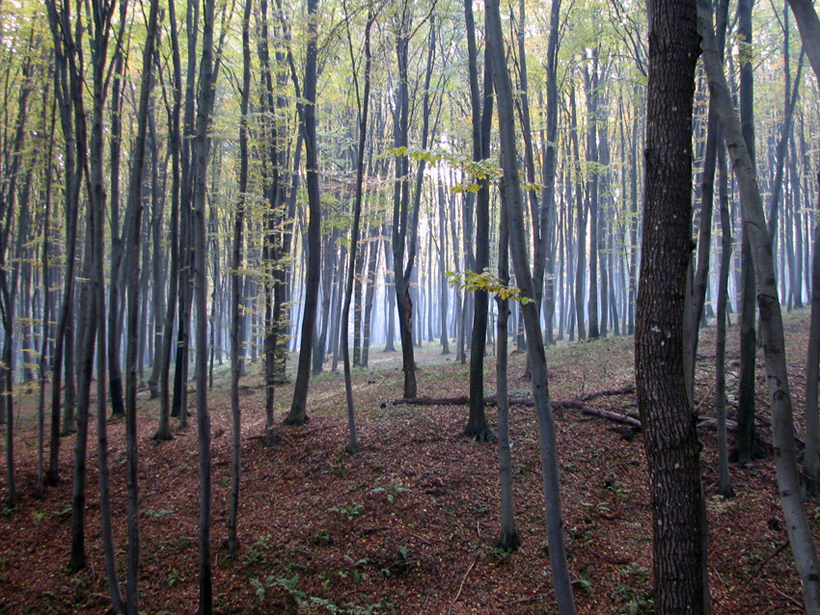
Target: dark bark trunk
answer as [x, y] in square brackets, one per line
[307, 113]
[477, 426]
[669, 423]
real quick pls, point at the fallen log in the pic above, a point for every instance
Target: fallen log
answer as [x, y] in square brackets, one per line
[628, 389]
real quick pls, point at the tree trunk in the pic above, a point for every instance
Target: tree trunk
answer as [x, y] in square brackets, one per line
[207, 83]
[535, 345]
[477, 426]
[669, 423]
[794, 512]
[307, 114]
[508, 540]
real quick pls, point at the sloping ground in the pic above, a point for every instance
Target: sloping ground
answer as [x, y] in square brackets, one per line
[408, 525]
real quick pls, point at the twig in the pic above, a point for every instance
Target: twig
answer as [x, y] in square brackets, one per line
[770, 558]
[786, 597]
[524, 600]
[460, 587]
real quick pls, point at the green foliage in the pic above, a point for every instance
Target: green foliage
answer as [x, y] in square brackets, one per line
[470, 282]
[633, 592]
[174, 577]
[351, 510]
[158, 514]
[258, 549]
[391, 491]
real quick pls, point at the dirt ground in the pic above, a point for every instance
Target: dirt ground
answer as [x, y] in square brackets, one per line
[409, 524]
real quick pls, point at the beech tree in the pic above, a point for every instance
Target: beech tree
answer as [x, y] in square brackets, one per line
[535, 343]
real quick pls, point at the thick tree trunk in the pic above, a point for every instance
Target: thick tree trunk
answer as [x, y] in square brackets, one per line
[671, 442]
[207, 83]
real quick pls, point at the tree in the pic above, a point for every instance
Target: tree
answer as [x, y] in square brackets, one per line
[670, 436]
[133, 292]
[482, 107]
[236, 282]
[307, 118]
[771, 324]
[535, 342]
[207, 83]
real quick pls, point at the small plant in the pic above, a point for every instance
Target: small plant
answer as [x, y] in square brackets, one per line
[355, 568]
[585, 586]
[262, 587]
[291, 585]
[598, 507]
[391, 491]
[499, 555]
[257, 549]
[158, 514]
[349, 608]
[40, 516]
[174, 577]
[322, 539]
[351, 510]
[336, 468]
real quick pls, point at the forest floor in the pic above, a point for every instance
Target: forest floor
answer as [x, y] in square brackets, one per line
[409, 524]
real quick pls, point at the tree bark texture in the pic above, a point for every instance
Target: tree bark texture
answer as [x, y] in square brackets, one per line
[669, 422]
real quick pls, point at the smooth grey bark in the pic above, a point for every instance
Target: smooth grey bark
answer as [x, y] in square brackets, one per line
[746, 443]
[65, 85]
[700, 283]
[591, 82]
[811, 456]
[404, 230]
[809, 27]
[363, 105]
[724, 484]
[581, 221]
[207, 83]
[509, 539]
[237, 254]
[785, 450]
[482, 113]
[535, 343]
[135, 208]
[175, 150]
[442, 266]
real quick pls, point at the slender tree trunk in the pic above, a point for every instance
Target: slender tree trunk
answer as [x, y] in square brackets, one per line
[236, 284]
[535, 345]
[508, 540]
[477, 426]
[724, 485]
[363, 103]
[307, 113]
[785, 450]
